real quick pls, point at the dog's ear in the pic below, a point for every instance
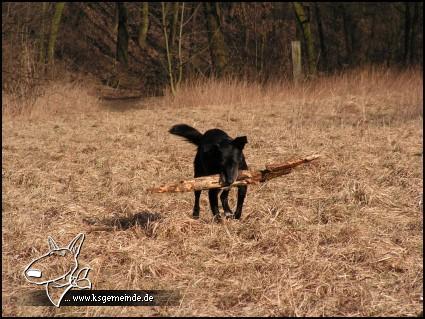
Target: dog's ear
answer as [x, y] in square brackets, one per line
[240, 142]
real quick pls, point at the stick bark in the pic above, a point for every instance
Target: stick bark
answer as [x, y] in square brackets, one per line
[245, 177]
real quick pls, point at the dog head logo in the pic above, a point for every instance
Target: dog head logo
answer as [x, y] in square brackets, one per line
[58, 270]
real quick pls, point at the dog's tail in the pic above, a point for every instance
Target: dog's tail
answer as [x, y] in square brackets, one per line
[189, 133]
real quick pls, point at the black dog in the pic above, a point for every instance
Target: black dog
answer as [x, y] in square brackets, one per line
[217, 154]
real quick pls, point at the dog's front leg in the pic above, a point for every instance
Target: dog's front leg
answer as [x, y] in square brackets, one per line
[241, 197]
[225, 202]
[213, 197]
[196, 207]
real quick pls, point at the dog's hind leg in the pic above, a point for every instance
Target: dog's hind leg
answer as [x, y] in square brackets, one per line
[241, 197]
[225, 202]
[196, 207]
[198, 172]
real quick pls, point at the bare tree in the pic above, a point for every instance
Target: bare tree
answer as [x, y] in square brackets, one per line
[217, 44]
[173, 28]
[350, 30]
[54, 30]
[323, 54]
[122, 38]
[174, 81]
[42, 35]
[413, 32]
[144, 24]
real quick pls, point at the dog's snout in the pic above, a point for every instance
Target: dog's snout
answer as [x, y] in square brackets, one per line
[230, 181]
[224, 180]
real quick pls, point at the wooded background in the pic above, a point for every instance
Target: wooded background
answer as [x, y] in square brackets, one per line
[149, 46]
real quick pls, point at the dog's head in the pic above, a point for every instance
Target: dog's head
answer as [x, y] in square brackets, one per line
[229, 155]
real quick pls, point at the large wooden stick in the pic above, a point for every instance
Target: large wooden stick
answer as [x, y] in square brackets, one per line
[245, 177]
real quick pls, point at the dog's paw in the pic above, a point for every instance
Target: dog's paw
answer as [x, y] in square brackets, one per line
[229, 214]
[217, 218]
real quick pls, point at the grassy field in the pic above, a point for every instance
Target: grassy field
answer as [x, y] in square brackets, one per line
[340, 236]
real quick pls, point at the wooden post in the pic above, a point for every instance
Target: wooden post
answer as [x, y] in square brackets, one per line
[296, 61]
[304, 22]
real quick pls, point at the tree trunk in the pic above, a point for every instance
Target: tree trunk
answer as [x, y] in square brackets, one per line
[371, 41]
[308, 37]
[262, 49]
[180, 48]
[407, 27]
[144, 24]
[54, 30]
[42, 57]
[193, 58]
[217, 44]
[413, 32]
[349, 34]
[122, 38]
[173, 31]
[323, 52]
[167, 47]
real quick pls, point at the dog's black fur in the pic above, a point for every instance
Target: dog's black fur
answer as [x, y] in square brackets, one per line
[217, 154]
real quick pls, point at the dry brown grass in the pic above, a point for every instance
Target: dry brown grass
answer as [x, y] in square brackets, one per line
[342, 236]
[64, 97]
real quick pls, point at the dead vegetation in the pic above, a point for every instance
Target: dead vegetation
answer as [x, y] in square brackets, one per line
[341, 237]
